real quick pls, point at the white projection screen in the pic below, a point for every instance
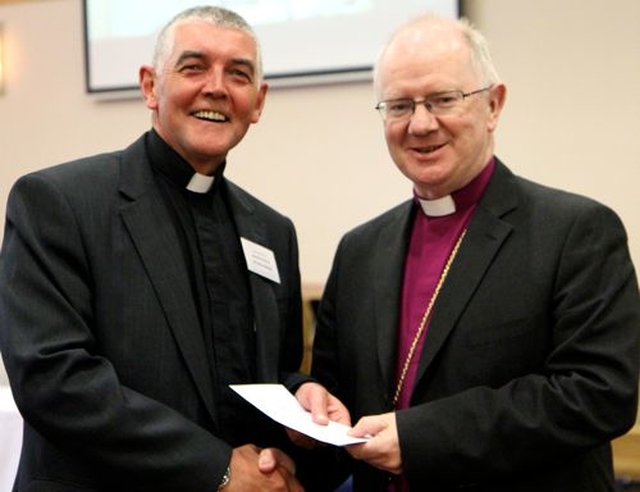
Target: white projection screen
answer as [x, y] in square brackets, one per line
[303, 41]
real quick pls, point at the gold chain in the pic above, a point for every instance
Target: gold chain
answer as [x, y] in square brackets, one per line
[427, 312]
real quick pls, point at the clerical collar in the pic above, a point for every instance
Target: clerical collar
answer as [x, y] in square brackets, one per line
[438, 207]
[460, 199]
[200, 183]
[175, 169]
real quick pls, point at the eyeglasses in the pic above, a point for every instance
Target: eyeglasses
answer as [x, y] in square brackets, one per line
[438, 104]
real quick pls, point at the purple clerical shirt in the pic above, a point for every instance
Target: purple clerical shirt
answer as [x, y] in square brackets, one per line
[432, 240]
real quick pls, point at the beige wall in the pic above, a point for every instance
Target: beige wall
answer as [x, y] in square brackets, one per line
[572, 119]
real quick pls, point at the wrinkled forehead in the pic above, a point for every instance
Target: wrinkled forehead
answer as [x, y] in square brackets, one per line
[205, 36]
[209, 33]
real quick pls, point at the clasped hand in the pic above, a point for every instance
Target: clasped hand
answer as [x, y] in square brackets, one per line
[258, 469]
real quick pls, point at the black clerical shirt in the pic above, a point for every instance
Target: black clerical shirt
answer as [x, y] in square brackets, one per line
[219, 282]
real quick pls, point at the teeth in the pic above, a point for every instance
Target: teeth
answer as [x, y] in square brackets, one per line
[211, 115]
[432, 148]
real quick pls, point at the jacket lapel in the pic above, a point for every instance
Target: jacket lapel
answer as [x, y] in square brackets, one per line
[156, 241]
[387, 287]
[485, 235]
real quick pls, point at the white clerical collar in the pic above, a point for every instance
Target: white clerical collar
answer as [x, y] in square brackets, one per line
[200, 183]
[438, 207]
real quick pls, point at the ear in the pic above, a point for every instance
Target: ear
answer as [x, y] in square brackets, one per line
[260, 99]
[147, 77]
[497, 98]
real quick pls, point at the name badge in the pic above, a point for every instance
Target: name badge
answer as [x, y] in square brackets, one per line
[260, 260]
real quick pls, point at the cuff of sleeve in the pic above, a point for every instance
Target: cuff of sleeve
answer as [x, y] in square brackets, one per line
[226, 478]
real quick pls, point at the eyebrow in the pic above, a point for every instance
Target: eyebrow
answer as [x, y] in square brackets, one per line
[185, 55]
[245, 62]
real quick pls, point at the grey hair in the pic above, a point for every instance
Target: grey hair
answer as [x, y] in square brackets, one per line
[478, 45]
[218, 16]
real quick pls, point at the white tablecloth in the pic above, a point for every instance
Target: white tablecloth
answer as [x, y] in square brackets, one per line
[10, 439]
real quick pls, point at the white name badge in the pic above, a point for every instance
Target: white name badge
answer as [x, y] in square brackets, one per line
[260, 260]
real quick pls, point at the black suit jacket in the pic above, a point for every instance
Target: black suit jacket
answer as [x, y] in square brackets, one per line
[101, 339]
[530, 363]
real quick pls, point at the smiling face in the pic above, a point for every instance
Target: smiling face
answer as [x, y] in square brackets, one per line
[439, 154]
[206, 93]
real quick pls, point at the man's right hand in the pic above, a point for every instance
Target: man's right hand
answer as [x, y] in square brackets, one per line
[253, 469]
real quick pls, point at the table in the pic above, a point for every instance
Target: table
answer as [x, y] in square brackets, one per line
[626, 454]
[10, 437]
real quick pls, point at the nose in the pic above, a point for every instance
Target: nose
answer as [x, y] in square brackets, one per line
[215, 83]
[422, 121]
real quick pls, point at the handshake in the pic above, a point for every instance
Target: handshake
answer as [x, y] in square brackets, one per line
[313, 417]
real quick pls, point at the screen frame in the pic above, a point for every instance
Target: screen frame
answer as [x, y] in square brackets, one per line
[327, 75]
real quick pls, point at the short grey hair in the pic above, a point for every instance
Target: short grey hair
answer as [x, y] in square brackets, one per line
[478, 45]
[218, 16]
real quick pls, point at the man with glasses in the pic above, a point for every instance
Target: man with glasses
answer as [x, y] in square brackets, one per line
[485, 334]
